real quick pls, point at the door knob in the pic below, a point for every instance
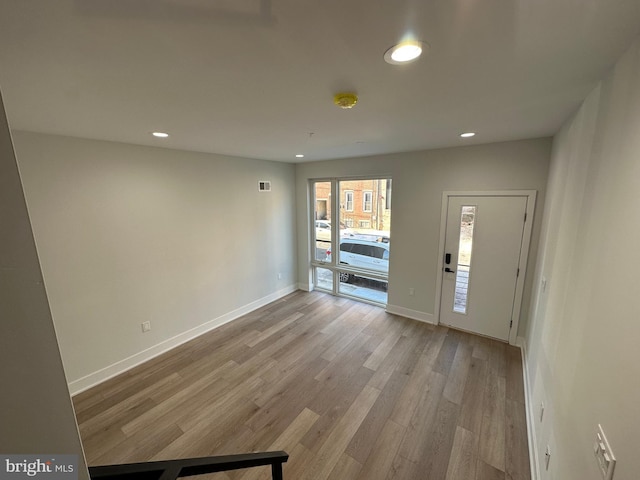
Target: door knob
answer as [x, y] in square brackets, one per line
[448, 270]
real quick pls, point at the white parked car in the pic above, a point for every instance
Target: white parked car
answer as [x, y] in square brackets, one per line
[323, 230]
[364, 254]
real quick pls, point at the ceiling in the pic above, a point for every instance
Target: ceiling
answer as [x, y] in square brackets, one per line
[256, 78]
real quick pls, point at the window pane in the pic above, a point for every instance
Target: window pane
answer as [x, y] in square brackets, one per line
[363, 287]
[324, 279]
[367, 201]
[348, 201]
[322, 205]
[465, 249]
[365, 206]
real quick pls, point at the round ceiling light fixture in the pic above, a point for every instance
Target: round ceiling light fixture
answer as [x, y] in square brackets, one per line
[345, 100]
[160, 134]
[468, 134]
[404, 52]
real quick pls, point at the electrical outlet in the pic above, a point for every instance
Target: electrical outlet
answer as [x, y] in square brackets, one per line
[412, 291]
[146, 326]
[547, 457]
[604, 455]
[541, 411]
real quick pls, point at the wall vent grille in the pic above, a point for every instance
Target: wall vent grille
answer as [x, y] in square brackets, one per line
[264, 186]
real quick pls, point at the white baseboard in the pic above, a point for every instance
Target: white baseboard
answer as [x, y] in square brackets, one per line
[413, 314]
[304, 287]
[529, 409]
[128, 363]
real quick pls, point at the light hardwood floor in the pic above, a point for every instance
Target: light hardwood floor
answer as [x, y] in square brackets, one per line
[348, 390]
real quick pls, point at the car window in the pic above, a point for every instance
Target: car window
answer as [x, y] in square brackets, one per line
[356, 248]
[366, 250]
[361, 249]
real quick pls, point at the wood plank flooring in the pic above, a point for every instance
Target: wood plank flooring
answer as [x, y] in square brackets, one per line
[348, 390]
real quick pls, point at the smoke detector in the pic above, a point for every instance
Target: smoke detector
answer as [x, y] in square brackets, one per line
[345, 100]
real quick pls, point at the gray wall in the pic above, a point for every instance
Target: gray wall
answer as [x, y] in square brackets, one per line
[419, 179]
[128, 234]
[36, 415]
[585, 324]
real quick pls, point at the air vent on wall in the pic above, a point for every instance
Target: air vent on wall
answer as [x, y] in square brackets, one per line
[264, 186]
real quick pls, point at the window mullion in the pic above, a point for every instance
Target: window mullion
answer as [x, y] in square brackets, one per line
[335, 232]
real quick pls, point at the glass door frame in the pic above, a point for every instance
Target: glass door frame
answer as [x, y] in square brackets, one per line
[334, 264]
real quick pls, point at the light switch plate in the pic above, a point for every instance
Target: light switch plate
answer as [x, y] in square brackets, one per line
[604, 455]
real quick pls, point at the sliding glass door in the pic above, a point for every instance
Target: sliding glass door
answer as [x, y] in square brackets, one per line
[351, 247]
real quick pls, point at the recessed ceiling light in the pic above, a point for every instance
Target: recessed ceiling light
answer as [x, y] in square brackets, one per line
[299, 155]
[467, 134]
[160, 134]
[404, 52]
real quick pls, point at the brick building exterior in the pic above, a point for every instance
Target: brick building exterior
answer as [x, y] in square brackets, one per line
[364, 204]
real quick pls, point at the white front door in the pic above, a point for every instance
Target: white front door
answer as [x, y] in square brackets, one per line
[483, 246]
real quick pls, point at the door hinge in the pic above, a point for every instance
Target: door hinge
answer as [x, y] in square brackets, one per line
[518, 272]
[511, 324]
[525, 217]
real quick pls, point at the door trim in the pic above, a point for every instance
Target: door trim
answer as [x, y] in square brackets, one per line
[524, 251]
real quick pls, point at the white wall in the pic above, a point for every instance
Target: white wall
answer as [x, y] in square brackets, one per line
[36, 414]
[585, 326]
[419, 178]
[128, 234]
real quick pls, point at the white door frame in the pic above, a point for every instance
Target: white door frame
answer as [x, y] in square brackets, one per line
[524, 253]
